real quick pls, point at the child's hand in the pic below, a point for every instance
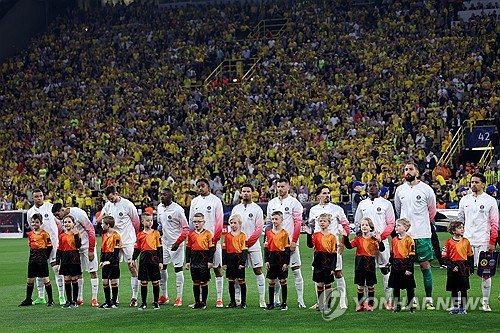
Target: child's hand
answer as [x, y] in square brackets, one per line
[377, 236]
[224, 267]
[160, 265]
[340, 247]
[104, 263]
[333, 273]
[56, 268]
[210, 265]
[188, 265]
[241, 267]
[285, 267]
[455, 269]
[307, 229]
[267, 265]
[408, 273]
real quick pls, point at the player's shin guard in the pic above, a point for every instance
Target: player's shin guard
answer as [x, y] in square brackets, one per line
[40, 287]
[427, 274]
[341, 287]
[95, 287]
[219, 284]
[134, 282]
[164, 282]
[299, 285]
[48, 290]
[179, 283]
[284, 291]
[156, 291]
[80, 288]
[59, 281]
[261, 286]
[74, 284]
[144, 291]
[486, 290]
[67, 288]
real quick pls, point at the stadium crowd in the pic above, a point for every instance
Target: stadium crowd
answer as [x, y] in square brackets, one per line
[345, 94]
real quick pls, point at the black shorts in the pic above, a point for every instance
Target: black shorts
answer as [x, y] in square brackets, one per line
[455, 282]
[110, 272]
[323, 276]
[149, 272]
[362, 278]
[70, 270]
[235, 273]
[38, 269]
[399, 280]
[276, 272]
[200, 274]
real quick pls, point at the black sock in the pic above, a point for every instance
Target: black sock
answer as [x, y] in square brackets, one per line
[232, 291]
[271, 294]
[284, 293]
[204, 292]
[397, 295]
[156, 291]
[196, 293]
[464, 299]
[67, 289]
[29, 290]
[361, 295]
[243, 292]
[144, 292]
[75, 290]
[114, 292]
[411, 294]
[107, 293]
[371, 296]
[48, 290]
[328, 295]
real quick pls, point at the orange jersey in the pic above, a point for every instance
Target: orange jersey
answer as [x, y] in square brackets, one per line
[234, 249]
[402, 254]
[200, 248]
[277, 247]
[365, 246]
[235, 244]
[40, 246]
[324, 242]
[68, 242]
[149, 246]
[457, 250]
[111, 244]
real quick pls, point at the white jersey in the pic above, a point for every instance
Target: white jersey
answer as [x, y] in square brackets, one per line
[292, 215]
[253, 222]
[211, 207]
[480, 217]
[339, 219]
[49, 221]
[418, 204]
[380, 211]
[127, 221]
[85, 228]
[173, 223]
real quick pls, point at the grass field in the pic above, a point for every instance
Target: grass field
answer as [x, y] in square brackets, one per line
[13, 263]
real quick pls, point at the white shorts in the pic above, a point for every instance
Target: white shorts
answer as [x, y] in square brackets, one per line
[476, 249]
[382, 258]
[175, 258]
[126, 253]
[218, 255]
[254, 259]
[87, 265]
[295, 258]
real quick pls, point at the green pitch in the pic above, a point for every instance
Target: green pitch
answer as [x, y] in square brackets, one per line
[39, 318]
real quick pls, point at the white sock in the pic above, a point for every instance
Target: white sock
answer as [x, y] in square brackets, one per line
[134, 282]
[386, 287]
[277, 288]
[299, 285]
[237, 291]
[261, 286]
[40, 286]
[219, 284]
[486, 289]
[118, 285]
[95, 287]
[163, 282]
[59, 281]
[341, 287]
[316, 291]
[179, 283]
[80, 289]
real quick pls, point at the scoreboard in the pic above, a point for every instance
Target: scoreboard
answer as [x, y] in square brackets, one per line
[479, 136]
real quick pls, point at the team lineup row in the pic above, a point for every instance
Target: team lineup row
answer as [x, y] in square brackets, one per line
[414, 203]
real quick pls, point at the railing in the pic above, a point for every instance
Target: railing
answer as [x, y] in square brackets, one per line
[270, 28]
[487, 156]
[456, 144]
[232, 71]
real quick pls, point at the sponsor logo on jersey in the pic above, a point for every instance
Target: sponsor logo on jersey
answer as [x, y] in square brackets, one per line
[46, 216]
[250, 215]
[419, 197]
[481, 207]
[287, 209]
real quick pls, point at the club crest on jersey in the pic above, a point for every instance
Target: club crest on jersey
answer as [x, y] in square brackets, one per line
[419, 197]
[46, 216]
[209, 208]
[250, 215]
